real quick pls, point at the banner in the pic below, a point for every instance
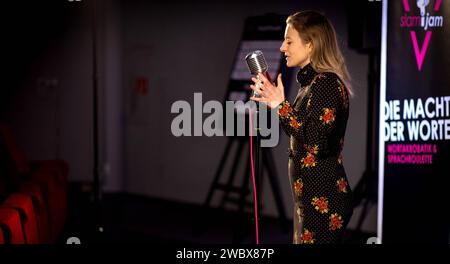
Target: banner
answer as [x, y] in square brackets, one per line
[415, 122]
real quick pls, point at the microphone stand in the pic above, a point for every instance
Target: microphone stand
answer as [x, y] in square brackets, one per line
[256, 150]
[258, 137]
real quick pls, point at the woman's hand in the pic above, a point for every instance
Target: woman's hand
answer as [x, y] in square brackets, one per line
[270, 94]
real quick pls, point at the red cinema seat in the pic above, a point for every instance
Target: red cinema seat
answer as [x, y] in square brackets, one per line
[40, 209]
[2, 239]
[24, 205]
[59, 169]
[51, 175]
[11, 226]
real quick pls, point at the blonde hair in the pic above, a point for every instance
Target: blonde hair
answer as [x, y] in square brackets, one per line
[326, 56]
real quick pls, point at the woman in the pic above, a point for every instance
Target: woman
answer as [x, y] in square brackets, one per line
[316, 123]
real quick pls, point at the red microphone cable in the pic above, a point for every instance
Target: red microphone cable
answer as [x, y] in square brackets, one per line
[255, 201]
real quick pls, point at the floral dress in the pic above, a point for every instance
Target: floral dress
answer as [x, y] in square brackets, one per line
[316, 123]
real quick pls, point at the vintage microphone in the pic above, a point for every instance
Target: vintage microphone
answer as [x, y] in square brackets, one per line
[256, 63]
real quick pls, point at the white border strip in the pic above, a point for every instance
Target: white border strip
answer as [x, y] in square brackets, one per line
[381, 121]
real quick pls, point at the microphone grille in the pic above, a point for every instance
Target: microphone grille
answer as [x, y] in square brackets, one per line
[256, 62]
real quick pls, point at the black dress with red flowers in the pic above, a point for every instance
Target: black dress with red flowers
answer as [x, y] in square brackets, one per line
[316, 123]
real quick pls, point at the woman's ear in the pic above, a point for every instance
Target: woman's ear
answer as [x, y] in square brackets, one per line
[309, 48]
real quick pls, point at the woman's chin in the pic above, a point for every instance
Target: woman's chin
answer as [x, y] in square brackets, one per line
[290, 64]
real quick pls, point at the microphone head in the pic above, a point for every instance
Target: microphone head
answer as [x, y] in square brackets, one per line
[256, 62]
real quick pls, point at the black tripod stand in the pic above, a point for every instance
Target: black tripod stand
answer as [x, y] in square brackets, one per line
[96, 192]
[365, 192]
[243, 190]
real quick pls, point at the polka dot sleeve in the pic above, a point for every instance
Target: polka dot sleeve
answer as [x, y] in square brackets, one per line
[323, 108]
[290, 119]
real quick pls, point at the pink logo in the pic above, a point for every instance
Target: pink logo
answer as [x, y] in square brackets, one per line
[425, 21]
